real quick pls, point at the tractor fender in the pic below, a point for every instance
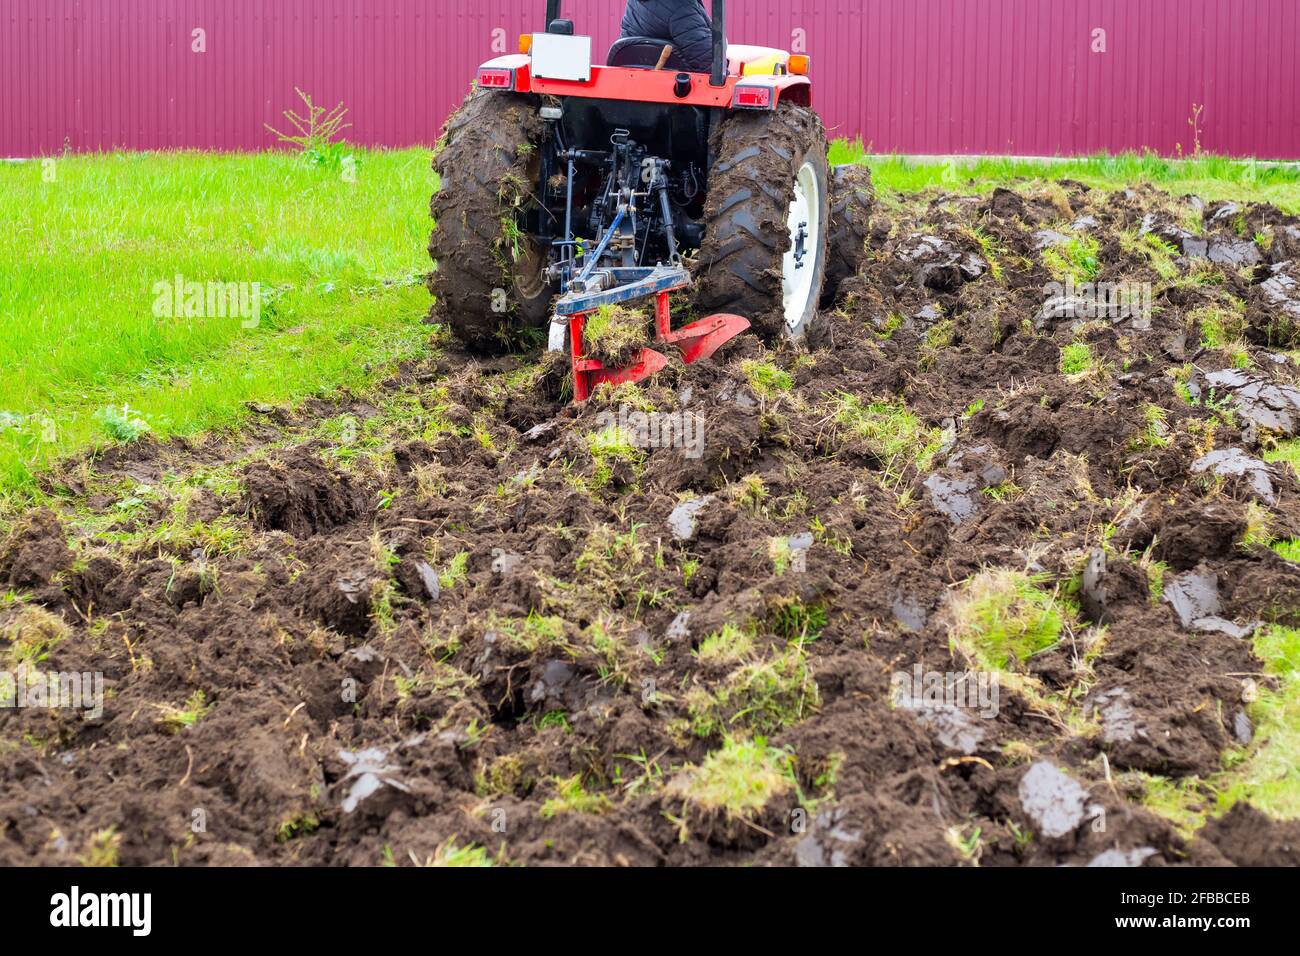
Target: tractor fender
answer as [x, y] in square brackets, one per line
[519, 64]
[791, 89]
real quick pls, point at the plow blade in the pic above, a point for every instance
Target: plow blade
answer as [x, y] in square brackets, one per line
[701, 339]
[696, 341]
[589, 373]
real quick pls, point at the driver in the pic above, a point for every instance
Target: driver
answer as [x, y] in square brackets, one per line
[683, 23]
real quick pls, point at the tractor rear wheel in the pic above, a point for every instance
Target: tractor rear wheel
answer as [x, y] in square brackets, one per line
[766, 220]
[852, 202]
[489, 282]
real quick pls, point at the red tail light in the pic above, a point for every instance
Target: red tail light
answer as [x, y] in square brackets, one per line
[496, 79]
[753, 98]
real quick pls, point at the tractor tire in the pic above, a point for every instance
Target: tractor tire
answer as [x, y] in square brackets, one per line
[488, 283]
[763, 162]
[852, 202]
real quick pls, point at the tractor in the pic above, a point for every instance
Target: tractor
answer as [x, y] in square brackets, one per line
[568, 186]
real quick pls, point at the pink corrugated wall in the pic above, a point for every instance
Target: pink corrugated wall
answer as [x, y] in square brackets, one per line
[910, 76]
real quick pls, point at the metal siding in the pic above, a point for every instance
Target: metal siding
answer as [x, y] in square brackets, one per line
[908, 76]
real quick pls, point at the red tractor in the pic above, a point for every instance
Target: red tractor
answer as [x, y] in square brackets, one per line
[567, 186]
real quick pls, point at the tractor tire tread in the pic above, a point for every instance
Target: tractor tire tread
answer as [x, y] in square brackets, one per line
[852, 204]
[481, 159]
[756, 158]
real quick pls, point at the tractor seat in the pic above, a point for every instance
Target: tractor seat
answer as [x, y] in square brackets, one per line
[642, 53]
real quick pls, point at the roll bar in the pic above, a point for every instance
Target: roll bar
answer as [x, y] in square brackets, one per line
[719, 77]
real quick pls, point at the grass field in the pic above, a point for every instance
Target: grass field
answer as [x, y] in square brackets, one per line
[87, 361]
[86, 247]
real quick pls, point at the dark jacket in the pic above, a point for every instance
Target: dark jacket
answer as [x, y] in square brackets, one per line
[683, 23]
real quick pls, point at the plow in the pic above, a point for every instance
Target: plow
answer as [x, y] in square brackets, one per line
[696, 341]
[569, 187]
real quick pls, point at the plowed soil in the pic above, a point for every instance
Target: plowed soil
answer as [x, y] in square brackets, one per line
[444, 615]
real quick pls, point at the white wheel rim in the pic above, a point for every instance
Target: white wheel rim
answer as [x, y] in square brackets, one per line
[797, 273]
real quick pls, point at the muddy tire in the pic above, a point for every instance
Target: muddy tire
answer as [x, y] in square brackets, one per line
[852, 201]
[488, 282]
[764, 165]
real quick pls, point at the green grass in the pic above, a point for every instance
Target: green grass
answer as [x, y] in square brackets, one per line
[454, 572]
[530, 633]
[84, 253]
[1266, 774]
[1210, 177]
[1285, 452]
[797, 622]
[731, 644]
[1269, 779]
[766, 379]
[194, 710]
[610, 447]
[1223, 330]
[296, 827]
[763, 696]
[102, 848]
[1178, 801]
[1290, 550]
[1159, 253]
[30, 634]
[614, 333]
[738, 779]
[890, 431]
[1076, 259]
[1076, 358]
[1006, 616]
[1156, 432]
[1221, 327]
[451, 854]
[573, 797]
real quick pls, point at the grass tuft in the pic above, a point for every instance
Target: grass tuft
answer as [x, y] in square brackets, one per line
[1269, 776]
[739, 779]
[1289, 550]
[890, 431]
[176, 719]
[1005, 617]
[122, 424]
[763, 697]
[1076, 259]
[455, 572]
[609, 448]
[731, 644]
[766, 379]
[31, 633]
[614, 335]
[573, 797]
[1076, 359]
[452, 854]
[1285, 452]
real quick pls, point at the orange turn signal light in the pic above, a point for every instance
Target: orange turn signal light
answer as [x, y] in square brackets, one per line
[799, 64]
[526, 43]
